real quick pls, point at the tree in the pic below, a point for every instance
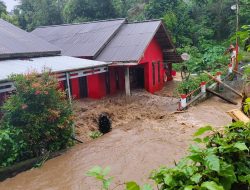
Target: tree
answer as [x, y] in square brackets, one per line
[6, 16]
[40, 113]
[84, 10]
[33, 13]
[3, 8]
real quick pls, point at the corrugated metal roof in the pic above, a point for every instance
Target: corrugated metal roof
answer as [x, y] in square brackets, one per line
[130, 43]
[80, 40]
[15, 42]
[54, 64]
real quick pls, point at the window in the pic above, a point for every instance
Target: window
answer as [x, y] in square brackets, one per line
[153, 70]
[159, 71]
[117, 80]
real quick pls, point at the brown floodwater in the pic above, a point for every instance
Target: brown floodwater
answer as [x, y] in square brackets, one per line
[144, 140]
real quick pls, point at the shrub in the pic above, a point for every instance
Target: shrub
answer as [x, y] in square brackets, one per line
[41, 112]
[95, 134]
[209, 57]
[193, 83]
[12, 146]
[221, 162]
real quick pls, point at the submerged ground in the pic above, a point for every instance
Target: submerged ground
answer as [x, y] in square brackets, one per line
[146, 134]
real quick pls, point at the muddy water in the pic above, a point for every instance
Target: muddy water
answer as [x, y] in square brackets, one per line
[147, 137]
[131, 152]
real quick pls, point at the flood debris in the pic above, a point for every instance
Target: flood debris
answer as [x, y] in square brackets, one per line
[104, 123]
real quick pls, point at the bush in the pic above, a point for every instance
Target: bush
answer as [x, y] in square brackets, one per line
[209, 57]
[41, 112]
[12, 146]
[95, 134]
[193, 83]
[221, 162]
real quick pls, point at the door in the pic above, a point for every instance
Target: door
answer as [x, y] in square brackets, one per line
[107, 82]
[83, 87]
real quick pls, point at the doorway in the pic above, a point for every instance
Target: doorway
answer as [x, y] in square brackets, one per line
[83, 87]
[137, 78]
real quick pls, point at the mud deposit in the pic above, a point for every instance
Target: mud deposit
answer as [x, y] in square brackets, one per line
[146, 134]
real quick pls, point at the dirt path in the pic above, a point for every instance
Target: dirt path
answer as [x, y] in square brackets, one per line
[145, 136]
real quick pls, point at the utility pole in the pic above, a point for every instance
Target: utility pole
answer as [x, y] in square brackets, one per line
[237, 38]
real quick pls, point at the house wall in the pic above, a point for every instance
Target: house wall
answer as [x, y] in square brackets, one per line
[153, 56]
[75, 91]
[97, 86]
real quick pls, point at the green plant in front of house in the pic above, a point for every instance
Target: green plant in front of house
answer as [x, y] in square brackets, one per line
[220, 162]
[37, 116]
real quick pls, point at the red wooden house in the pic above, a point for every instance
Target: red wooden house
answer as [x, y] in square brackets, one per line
[22, 52]
[140, 53]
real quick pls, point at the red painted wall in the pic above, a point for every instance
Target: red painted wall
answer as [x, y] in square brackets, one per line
[152, 54]
[97, 85]
[75, 88]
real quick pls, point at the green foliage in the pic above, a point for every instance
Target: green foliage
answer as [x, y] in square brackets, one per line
[3, 8]
[84, 10]
[220, 162]
[193, 83]
[12, 146]
[33, 13]
[246, 107]
[40, 112]
[244, 37]
[101, 175]
[202, 130]
[95, 134]
[245, 57]
[209, 57]
[4, 14]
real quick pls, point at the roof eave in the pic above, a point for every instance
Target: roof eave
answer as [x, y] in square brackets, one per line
[29, 55]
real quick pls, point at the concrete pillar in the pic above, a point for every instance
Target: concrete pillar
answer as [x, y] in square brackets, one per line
[230, 68]
[218, 76]
[127, 82]
[203, 87]
[183, 101]
[68, 87]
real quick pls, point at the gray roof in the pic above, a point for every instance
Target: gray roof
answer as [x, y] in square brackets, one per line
[54, 64]
[80, 40]
[15, 42]
[131, 42]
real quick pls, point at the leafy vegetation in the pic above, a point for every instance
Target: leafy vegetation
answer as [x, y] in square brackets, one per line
[37, 119]
[102, 175]
[192, 84]
[12, 146]
[220, 162]
[95, 134]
